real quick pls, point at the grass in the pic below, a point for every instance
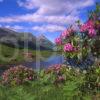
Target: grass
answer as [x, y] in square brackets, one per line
[43, 89]
[76, 87]
[38, 91]
[35, 91]
[7, 53]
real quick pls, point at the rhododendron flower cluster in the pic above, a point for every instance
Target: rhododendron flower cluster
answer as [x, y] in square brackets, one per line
[67, 33]
[18, 75]
[58, 41]
[68, 47]
[78, 43]
[91, 32]
[57, 70]
[89, 28]
[88, 25]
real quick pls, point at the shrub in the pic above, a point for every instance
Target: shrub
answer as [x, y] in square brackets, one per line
[58, 74]
[78, 43]
[18, 75]
[92, 81]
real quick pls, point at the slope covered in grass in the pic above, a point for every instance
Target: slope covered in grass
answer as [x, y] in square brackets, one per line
[12, 55]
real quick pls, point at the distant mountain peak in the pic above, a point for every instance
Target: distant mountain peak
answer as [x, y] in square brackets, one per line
[42, 36]
[44, 41]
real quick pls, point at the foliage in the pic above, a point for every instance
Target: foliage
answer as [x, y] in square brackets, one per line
[77, 84]
[8, 55]
[79, 43]
[59, 82]
[92, 81]
[18, 75]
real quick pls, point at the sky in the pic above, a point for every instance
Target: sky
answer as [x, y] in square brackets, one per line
[48, 17]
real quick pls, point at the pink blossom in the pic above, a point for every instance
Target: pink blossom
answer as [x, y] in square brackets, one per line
[30, 78]
[58, 41]
[68, 47]
[65, 34]
[83, 28]
[55, 68]
[20, 74]
[88, 25]
[91, 32]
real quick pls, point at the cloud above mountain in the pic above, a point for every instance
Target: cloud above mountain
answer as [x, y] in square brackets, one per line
[40, 19]
[43, 15]
[50, 11]
[55, 7]
[49, 28]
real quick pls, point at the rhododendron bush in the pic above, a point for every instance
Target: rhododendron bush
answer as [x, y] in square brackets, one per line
[79, 43]
[18, 75]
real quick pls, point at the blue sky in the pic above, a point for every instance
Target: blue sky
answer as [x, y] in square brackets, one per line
[48, 17]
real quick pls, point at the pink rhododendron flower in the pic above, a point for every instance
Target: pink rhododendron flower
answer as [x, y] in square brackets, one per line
[18, 74]
[83, 28]
[30, 78]
[58, 41]
[91, 32]
[67, 33]
[88, 25]
[54, 68]
[68, 47]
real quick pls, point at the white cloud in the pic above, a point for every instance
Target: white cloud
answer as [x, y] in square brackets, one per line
[50, 11]
[15, 27]
[40, 19]
[42, 28]
[49, 28]
[55, 7]
[55, 13]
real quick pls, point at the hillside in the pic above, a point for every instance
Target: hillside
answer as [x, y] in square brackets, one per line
[27, 40]
[11, 41]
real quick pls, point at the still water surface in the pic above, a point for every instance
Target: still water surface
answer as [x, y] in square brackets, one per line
[54, 59]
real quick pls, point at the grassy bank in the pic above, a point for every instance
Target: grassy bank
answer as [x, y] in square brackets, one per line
[10, 55]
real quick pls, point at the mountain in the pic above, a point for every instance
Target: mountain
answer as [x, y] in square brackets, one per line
[21, 40]
[13, 38]
[45, 42]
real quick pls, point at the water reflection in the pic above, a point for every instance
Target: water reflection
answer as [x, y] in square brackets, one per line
[54, 59]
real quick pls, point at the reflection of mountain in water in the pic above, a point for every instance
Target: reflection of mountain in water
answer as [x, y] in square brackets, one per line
[10, 38]
[54, 59]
